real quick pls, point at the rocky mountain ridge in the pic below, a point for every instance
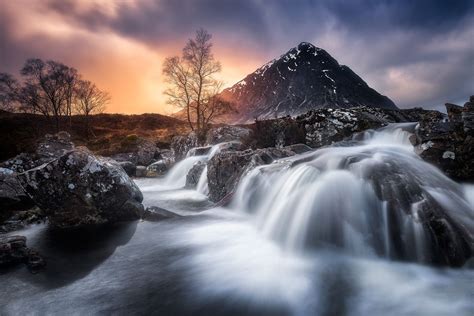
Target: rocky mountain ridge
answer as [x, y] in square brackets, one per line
[304, 78]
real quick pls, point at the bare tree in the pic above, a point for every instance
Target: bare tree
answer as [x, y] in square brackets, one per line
[89, 100]
[9, 89]
[192, 83]
[178, 76]
[47, 88]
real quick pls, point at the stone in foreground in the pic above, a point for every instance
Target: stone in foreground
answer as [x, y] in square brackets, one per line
[80, 189]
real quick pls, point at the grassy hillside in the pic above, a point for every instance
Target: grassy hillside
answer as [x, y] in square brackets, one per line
[20, 132]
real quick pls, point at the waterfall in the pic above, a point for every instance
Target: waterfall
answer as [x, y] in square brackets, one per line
[176, 177]
[369, 198]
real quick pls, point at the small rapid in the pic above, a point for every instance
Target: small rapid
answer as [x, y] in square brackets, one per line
[371, 197]
[313, 234]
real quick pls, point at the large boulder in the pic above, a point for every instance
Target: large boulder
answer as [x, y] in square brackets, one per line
[180, 145]
[227, 133]
[225, 169]
[80, 189]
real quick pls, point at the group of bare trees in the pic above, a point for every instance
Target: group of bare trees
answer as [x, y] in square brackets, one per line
[53, 90]
[192, 83]
[56, 91]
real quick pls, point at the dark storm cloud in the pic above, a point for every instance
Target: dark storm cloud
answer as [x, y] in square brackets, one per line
[417, 52]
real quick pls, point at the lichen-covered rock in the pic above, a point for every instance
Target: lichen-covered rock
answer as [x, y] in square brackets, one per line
[193, 176]
[12, 196]
[327, 126]
[448, 141]
[80, 189]
[180, 145]
[227, 133]
[53, 146]
[226, 168]
[49, 148]
[13, 251]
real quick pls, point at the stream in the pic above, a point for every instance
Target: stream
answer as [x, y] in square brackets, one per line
[305, 235]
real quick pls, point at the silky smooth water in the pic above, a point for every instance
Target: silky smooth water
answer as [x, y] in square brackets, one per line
[274, 251]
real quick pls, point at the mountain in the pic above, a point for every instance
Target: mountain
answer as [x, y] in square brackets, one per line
[304, 78]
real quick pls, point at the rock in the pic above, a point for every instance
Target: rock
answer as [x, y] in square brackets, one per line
[157, 168]
[468, 117]
[125, 157]
[454, 112]
[298, 148]
[12, 196]
[13, 251]
[160, 167]
[22, 162]
[49, 148]
[226, 168]
[146, 152]
[448, 142]
[129, 167]
[53, 146]
[140, 172]
[199, 151]
[20, 219]
[142, 152]
[155, 214]
[180, 145]
[193, 176]
[80, 189]
[227, 133]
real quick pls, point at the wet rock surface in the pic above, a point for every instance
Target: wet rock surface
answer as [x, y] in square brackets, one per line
[13, 251]
[193, 176]
[156, 214]
[226, 168]
[180, 145]
[80, 189]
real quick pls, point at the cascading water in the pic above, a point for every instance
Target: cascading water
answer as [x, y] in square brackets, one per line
[372, 197]
[176, 178]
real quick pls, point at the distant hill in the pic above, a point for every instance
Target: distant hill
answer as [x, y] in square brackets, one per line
[20, 132]
[304, 78]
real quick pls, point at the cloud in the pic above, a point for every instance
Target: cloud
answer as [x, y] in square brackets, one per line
[416, 52]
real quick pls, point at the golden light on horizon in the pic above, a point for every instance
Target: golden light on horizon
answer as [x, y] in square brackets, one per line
[128, 69]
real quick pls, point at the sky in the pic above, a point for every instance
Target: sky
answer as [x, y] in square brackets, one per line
[418, 53]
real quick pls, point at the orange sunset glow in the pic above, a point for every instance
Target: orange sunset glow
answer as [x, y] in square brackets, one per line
[128, 69]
